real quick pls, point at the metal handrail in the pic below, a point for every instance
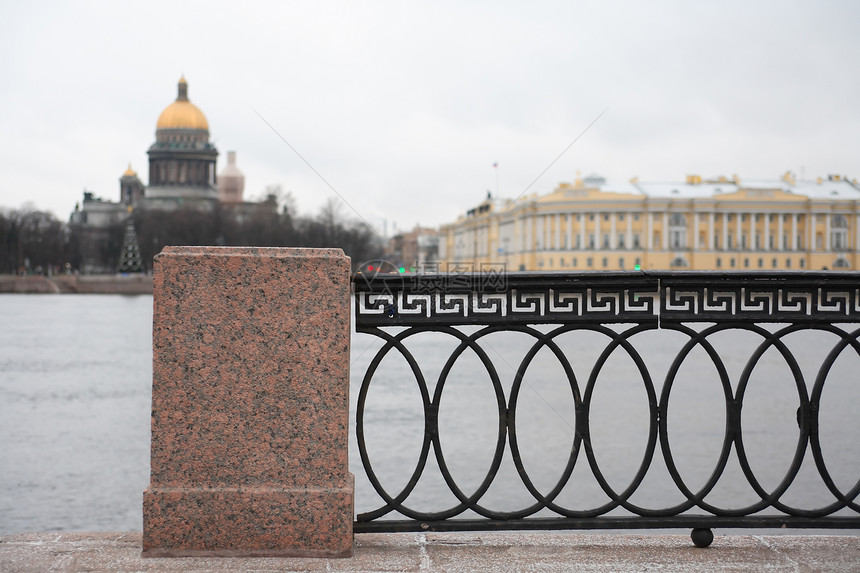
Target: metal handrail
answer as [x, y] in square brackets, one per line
[646, 301]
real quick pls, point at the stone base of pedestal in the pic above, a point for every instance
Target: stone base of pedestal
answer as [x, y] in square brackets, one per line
[248, 522]
[250, 404]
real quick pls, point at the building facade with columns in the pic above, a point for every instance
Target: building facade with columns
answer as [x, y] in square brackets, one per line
[717, 224]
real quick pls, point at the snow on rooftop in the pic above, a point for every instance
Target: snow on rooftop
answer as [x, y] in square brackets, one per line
[825, 189]
[686, 190]
[694, 188]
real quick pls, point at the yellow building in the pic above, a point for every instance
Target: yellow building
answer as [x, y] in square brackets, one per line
[699, 224]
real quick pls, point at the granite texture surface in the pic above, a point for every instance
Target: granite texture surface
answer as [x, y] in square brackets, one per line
[250, 403]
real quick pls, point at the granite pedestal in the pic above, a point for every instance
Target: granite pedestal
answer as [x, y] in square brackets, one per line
[250, 404]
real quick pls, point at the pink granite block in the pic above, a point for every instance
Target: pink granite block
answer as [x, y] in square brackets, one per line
[250, 403]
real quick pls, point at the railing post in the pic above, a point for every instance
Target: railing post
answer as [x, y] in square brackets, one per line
[250, 404]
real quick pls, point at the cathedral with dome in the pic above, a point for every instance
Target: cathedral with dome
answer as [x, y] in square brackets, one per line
[182, 159]
[182, 175]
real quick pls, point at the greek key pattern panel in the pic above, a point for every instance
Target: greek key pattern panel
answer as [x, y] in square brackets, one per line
[789, 304]
[513, 306]
[666, 300]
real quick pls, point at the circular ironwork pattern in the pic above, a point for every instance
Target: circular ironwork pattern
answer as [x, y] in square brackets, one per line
[808, 437]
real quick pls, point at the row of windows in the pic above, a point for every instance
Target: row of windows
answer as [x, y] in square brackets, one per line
[589, 262]
[604, 215]
[678, 240]
[680, 262]
[839, 263]
[679, 219]
[171, 137]
[774, 263]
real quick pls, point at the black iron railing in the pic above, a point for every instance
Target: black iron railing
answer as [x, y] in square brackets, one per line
[621, 307]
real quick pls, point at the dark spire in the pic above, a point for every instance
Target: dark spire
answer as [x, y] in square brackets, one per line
[183, 90]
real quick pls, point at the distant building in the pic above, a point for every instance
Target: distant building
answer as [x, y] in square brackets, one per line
[722, 223]
[231, 184]
[182, 160]
[416, 249]
[182, 175]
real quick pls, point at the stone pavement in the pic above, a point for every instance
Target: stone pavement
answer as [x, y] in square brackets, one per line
[534, 551]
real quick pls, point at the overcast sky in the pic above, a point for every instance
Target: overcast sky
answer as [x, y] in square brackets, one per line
[403, 107]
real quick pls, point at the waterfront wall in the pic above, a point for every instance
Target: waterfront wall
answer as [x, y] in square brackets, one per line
[250, 404]
[76, 284]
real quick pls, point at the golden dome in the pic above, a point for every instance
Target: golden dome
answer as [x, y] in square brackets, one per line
[182, 114]
[129, 172]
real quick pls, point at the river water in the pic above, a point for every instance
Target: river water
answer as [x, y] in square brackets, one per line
[75, 378]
